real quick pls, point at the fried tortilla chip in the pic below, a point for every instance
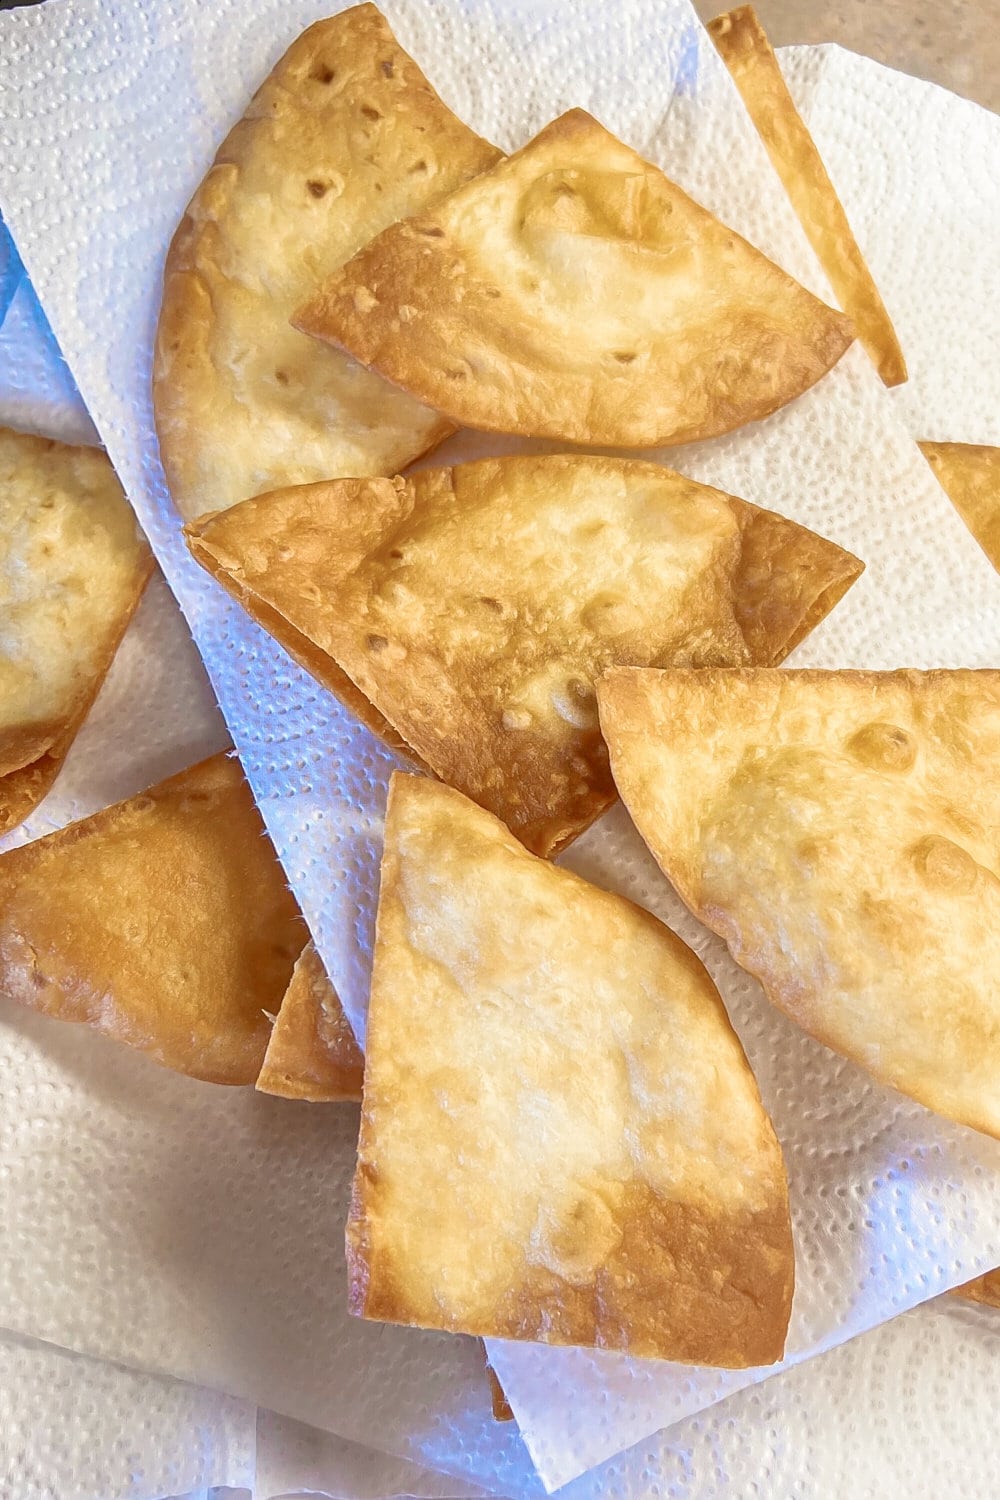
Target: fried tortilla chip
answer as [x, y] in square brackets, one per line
[984, 1289]
[969, 474]
[312, 1053]
[573, 292]
[473, 607]
[561, 1138]
[344, 137]
[841, 832]
[502, 1411]
[164, 922]
[742, 44]
[72, 569]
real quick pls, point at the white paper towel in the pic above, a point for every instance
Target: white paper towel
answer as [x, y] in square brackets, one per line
[294, 1459]
[907, 1409]
[890, 1204]
[930, 1393]
[37, 392]
[928, 221]
[73, 1428]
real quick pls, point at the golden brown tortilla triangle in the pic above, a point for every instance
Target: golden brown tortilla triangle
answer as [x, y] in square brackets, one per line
[571, 1098]
[345, 136]
[969, 473]
[573, 292]
[73, 566]
[742, 44]
[841, 832]
[482, 659]
[164, 922]
[312, 1053]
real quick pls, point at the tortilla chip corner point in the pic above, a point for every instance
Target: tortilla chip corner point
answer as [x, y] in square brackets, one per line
[311, 1053]
[969, 474]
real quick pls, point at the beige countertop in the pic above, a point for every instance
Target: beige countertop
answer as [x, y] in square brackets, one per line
[952, 42]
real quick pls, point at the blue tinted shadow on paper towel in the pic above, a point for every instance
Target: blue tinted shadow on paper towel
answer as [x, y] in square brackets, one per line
[37, 391]
[11, 270]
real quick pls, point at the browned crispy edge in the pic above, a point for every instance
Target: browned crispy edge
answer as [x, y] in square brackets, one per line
[333, 1071]
[371, 335]
[21, 791]
[742, 44]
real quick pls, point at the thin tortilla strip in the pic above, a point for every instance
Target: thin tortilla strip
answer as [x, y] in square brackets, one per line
[840, 830]
[572, 1101]
[73, 566]
[312, 1053]
[502, 1411]
[164, 922]
[573, 292]
[742, 44]
[969, 474]
[473, 607]
[984, 1289]
[345, 136]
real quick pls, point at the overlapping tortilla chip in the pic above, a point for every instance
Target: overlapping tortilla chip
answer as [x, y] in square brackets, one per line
[345, 136]
[312, 1053]
[841, 831]
[72, 569]
[969, 473]
[164, 922]
[984, 1289]
[569, 1144]
[473, 607]
[744, 48]
[573, 292]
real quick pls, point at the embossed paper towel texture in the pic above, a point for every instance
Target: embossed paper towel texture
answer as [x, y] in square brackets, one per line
[132, 101]
[918, 170]
[73, 1428]
[906, 1409]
